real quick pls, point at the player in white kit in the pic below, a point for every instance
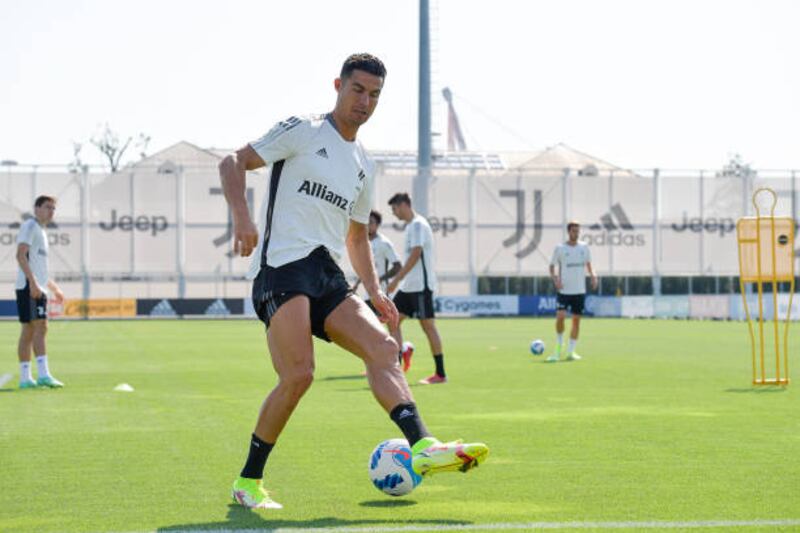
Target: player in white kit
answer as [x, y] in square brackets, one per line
[33, 282]
[571, 259]
[319, 201]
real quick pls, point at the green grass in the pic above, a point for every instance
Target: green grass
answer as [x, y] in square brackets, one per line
[658, 422]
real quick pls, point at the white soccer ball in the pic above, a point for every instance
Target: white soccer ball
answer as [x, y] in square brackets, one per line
[390, 468]
[407, 346]
[537, 347]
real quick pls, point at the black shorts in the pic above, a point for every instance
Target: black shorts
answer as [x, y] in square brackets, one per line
[29, 308]
[415, 304]
[317, 276]
[574, 303]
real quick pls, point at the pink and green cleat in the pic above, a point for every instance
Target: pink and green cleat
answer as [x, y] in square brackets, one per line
[251, 494]
[429, 456]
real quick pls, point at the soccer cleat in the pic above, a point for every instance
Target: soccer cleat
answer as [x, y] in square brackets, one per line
[555, 356]
[433, 380]
[429, 456]
[27, 384]
[406, 355]
[572, 356]
[251, 494]
[49, 381]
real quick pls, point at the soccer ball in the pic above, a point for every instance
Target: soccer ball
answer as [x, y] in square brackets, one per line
[407, 346]
[537, 347]
[390, 468]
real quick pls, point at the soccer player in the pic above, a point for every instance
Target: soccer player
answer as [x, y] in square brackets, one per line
[319, 203]
[571, 258]
[33, 281]
[417, 281]
[386, 265]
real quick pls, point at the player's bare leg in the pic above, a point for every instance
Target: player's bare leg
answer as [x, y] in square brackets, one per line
[435, 343]
[292, 353]
[573, 338]
[24, 347]
[356, 329]
[556, 355]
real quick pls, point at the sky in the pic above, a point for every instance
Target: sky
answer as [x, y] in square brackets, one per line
[679, 84]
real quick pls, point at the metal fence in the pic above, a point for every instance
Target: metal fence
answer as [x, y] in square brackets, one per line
[165, 231]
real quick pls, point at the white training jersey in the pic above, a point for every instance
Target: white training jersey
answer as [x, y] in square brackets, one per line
[32, 234]
[571, 261]
[318, 183]
[383, 256]
[422, 276]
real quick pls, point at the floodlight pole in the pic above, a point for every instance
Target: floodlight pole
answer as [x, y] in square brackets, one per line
[422, 179]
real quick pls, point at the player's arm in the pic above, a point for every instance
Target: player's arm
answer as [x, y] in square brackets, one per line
[592, 275]
[413, 257]
[555, 277]
[360, 253]
[53, 286]
[394, 269]
[25, 266]
[232, 175]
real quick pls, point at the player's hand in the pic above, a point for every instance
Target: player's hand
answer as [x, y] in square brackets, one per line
[36, 291]
[386, 310]
[594, 283]
[58, 296]
[558, 283]
[245, 237]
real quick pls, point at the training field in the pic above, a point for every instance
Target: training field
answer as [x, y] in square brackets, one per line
[657, 427]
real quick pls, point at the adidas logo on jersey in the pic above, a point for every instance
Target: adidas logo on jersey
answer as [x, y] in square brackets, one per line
[361, 174]
[322, 152]
[312, 188]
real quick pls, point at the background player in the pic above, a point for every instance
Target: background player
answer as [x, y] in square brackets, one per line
[570, 259]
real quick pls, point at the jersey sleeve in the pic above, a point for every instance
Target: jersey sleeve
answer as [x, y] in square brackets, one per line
[363, 202]
[416, 236]
[25, 235]
[282, 141]
[556, 259]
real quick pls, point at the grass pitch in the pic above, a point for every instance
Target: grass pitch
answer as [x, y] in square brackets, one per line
[657, 423]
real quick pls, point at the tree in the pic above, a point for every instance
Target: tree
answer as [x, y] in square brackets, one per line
[113, 148]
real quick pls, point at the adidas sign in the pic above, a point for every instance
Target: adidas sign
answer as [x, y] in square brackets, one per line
[163, 308]
[614, 229]
[217, 308]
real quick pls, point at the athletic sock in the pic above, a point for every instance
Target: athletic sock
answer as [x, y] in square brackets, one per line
[572, 343]
[559, 339]
[41, 366]
[25, 371]
[257, 458]
[439, 360]
[407, 418]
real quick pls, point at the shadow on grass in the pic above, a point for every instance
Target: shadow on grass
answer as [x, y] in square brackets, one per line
[388, 503]
[353, 377]
[757, 390]
[269, 520]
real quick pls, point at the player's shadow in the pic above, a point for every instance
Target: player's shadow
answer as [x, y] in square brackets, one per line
[242, 518]
[757, 390]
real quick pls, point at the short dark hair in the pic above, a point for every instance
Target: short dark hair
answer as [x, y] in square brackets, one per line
[572, 223]
[400, 198]
[41, 200]
[366, 62]
[377, 216]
